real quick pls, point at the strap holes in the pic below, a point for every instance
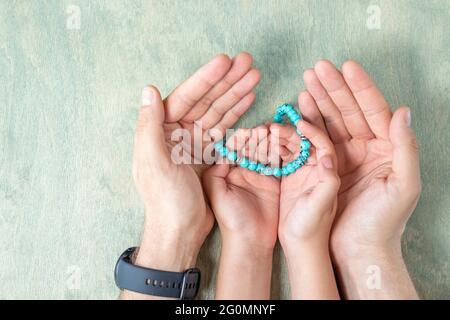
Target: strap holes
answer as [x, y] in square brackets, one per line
[155, 283]
[161, 284]
[148, 282]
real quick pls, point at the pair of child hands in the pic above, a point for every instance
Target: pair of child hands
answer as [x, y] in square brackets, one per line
[253, 210]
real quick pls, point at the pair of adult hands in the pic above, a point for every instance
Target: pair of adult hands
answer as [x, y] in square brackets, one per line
[377, 163]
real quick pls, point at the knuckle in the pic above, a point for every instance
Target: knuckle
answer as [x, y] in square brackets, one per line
[414, 144]
[205, 102]
[416, 190]
[335, 182]
[143, 119]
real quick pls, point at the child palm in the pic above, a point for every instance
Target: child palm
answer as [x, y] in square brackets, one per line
[245, 203]
[308, 196]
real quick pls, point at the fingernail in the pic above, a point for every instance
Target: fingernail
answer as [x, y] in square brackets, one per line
[408, 117]
[147, 96]
[327, 162]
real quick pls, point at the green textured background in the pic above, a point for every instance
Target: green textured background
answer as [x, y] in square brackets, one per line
[68, 102]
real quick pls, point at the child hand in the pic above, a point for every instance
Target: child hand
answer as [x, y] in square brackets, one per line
[246, 206]
[308, 204]
[308, 197]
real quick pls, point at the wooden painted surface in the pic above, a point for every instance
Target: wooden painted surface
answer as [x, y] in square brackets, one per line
[69, 96]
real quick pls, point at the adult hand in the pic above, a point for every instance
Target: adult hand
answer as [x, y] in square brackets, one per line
[380, 179]
[246, 206]
[177, 217]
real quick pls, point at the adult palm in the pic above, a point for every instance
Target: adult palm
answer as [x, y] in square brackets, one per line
[211, 100]
[376, 151]
[216, 96]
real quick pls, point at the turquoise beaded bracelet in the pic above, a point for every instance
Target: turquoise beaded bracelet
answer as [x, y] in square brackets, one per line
[291, 167]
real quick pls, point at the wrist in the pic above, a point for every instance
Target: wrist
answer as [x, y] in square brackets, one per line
[177, 219]
[300, 250]
[168, 250]
[355, 253]
[245, 240]
[294, 245]
[247, 250]
[375, 273]
[252, 264]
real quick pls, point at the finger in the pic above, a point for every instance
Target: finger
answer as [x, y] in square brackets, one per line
[328, 185]
[309, 110]
[262, 149]
[274, 155]
[285, 154]
[241, 64]
[234, 114]
[256, 135]
[238, 140]
[318, 139]
[405, 163]
[184, 97]
[214, 182]
[334, 83]
[288, 137]
[150, 142]
[330, 113]
[373, 105]
[238, 91]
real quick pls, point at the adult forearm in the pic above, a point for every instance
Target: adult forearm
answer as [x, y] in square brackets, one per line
[375, 273]
[244, 272]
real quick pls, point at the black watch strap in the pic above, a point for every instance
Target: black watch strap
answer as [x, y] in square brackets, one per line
[180, 285]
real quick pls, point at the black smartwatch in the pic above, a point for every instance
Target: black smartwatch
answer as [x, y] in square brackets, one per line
[180, 285]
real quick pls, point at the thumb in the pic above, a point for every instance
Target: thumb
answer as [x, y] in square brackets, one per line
[405, 162]
[150, 142]
[214, 181]
[329, 182]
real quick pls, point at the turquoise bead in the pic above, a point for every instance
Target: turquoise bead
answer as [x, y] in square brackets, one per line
[304, 154]
[223, 152]
[299, 162]
[260, 167]
[244, 163]
[252, 166]
[295, 165]
[305, 144]
[218, 146]
[267, 171]
[278, 119]
[277, 172]
[284, 171]
[232, 156]
[290, 168]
